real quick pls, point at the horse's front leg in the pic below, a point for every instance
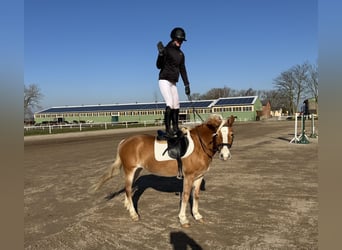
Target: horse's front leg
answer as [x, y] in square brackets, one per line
[187, 186]
[195, 197]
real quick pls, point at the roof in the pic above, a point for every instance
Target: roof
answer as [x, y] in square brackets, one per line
[243, 100]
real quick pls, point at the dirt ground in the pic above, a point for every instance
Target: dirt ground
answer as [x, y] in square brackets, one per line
[265, 197]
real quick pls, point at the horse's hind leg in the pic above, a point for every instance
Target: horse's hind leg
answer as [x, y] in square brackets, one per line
[129, 179]
[195, 197]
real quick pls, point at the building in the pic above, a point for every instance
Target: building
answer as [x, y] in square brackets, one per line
[245, 108]
[266, 110]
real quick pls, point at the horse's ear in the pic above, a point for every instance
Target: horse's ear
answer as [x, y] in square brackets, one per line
[231, 120]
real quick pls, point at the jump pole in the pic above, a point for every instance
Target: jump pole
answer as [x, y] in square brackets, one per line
[302, 139]
[295, 138]
[313, 134]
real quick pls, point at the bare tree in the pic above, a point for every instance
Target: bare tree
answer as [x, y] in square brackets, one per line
[276, 98]
[293, 85]
[300, 73]
[312, 81]
[215, 93]
[286, 88]
[264, 95]
[248, 92]
[32, 98]
[196, 96]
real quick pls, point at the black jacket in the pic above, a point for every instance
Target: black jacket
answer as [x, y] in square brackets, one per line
[171, 64]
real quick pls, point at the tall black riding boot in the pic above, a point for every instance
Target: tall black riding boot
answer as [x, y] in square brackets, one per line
[167, 120]
[175, 119]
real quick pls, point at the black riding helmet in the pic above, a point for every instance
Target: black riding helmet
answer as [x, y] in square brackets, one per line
[178, 34]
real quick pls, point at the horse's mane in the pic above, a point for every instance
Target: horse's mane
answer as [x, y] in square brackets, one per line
[216, 117]
[213, 121]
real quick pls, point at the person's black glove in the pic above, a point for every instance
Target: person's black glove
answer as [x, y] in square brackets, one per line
[161, 48]
[187, 89]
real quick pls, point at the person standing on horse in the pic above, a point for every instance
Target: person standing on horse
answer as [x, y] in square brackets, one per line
[171, 62]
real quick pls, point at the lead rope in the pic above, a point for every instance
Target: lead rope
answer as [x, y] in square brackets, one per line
[194, 111]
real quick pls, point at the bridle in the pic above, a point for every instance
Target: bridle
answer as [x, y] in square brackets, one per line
[224, 129]
[224, 139]
[216, 147]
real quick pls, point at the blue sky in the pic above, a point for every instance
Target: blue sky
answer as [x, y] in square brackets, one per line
[104, 51]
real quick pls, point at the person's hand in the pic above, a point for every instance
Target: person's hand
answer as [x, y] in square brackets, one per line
[187, 89]
[161, 48]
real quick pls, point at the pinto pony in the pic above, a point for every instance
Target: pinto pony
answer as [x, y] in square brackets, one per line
[137, 153]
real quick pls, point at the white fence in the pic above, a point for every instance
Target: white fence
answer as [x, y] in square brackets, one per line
[57, 128]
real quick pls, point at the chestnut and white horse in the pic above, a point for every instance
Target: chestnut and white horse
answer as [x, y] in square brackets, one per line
[137, 153]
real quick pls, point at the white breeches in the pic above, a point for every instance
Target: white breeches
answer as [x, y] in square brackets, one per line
[170, 93]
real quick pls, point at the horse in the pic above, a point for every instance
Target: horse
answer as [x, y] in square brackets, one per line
[137, 152]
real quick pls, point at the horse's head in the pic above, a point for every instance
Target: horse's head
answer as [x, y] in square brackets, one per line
[224, 138]
[221, 137]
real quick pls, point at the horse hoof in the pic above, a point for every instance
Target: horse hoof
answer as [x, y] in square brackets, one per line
[186, 225]
[135, 218]
[201, 221]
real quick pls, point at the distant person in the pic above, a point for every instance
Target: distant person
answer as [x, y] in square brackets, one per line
[171, 62]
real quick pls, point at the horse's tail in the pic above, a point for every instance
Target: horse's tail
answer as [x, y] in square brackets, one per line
[111, 172]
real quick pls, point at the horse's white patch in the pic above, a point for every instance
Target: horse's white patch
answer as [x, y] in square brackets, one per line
[161, 146]
[224, 152]
[224, 132]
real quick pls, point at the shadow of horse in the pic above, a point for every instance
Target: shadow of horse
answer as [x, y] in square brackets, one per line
[181, 241]
[158, 183]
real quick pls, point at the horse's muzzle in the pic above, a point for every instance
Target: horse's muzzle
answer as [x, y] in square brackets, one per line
[225, 153]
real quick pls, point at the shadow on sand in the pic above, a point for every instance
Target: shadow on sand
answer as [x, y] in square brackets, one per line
[159, 183]
[181, 241]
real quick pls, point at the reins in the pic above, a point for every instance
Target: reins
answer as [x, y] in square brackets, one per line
[204, 148]
[194, 111]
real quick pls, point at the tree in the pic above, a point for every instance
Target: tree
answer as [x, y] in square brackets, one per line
[292, 83]
[300, 77]
[32, 98]
[248, 92]
[285, 86]
[196, 96]
[276, 98]
[312, 81]
[216, 93]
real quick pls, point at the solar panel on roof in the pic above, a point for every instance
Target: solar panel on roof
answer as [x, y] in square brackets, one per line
[123, 107]
[200, 104]
[150, 106]
[235, 101]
